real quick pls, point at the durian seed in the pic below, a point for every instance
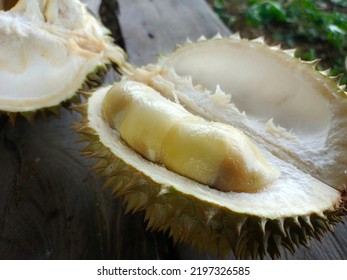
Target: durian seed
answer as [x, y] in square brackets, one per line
[163, 132]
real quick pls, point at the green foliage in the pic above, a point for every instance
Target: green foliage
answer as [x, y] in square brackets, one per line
[261, 13]
[316, 28]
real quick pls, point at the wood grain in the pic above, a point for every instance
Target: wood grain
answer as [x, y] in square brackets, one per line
[51, 204]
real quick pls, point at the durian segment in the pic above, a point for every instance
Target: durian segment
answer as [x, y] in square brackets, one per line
[162, 131]
[297, 112]
[294, 193]
[304, 202]
[47, 50]
[287, 214]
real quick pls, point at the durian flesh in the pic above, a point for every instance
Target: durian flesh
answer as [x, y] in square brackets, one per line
[163, 132]
[294, 115]
[48, 48]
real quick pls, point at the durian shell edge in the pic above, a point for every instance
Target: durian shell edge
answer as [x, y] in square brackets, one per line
[93, 80]
[206, 226]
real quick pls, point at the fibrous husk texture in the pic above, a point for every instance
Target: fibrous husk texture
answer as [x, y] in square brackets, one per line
[207, 227]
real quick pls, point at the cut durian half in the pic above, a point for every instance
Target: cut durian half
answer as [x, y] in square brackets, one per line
[49, 50]
[294, 116]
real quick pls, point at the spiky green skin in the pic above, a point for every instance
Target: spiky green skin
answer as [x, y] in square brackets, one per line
[93, 79]
[207, 227]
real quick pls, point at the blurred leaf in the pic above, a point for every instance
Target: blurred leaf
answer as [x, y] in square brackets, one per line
[265, 12]
[335, 34]
[342, 3]
[317, 28]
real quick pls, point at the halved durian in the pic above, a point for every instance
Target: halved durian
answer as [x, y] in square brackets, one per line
[294, 115]
[49, 50]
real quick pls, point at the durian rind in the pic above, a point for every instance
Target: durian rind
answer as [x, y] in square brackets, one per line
[92, 81]
[320, 151]
[50, 51]
[202, 222]
[207, 226]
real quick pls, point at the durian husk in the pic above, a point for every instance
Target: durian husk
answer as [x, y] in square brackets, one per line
[202, 224]
[207, 226]
[93, 80]
[321, 153]
[74, 33]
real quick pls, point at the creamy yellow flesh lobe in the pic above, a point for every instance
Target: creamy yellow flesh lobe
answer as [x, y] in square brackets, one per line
[163, 132]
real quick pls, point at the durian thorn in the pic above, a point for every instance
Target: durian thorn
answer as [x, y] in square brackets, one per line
[260, 40]
[290, 52]
[241, 245]
[218, 36]
[210, 214]
[164, 190]
[255, 251]
[54, 110]
[295, 221]
[294, 238]
[307, 221]
[342, 88]
[337, 78]
[235, 36]
[305, 243]
[85, 93]
[289, 244]
[30, 116]
[275, 251]
[188, 41]
[335, 219]
[88, 131]
[80, 108]
[12, 118]
[239, 225]
[303, 237]
[276, 47]
[93, 77]
[321, 216]
[265, 241]
[262, 224]
[325, 72]
[202, 38]
[320, 224]
[280, 226]
[312, 63]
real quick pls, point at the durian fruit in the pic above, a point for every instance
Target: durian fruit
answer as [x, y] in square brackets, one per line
[49, 51]
[227, 144]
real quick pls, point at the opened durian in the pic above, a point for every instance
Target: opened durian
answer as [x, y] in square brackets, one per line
[227, 144]
[49, 50]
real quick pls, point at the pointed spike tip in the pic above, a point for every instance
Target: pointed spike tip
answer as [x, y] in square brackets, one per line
[235, 36]
[218, 36]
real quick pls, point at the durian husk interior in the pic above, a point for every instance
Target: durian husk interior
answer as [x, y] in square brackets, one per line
[50, 51]
[294, 114]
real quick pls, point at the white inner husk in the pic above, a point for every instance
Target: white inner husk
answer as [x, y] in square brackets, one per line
[294, 193]
[285, 106]
[47, 49]
[259, 84]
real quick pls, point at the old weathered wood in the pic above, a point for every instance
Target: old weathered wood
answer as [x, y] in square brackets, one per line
[53, 207]
[151, 27]
[51, 204]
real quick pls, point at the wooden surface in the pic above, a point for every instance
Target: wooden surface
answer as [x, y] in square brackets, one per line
[51, 204]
